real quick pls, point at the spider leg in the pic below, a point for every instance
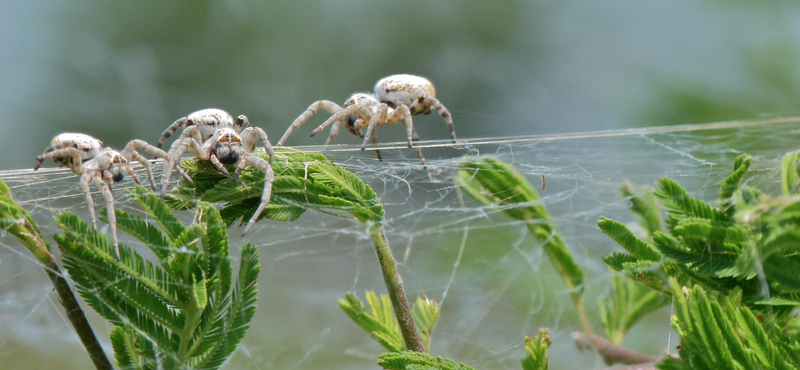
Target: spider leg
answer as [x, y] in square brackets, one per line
[190, 137]
[135, 177]
[338, 116]
[310, 111]
[215, 161]
[112, 217]
[375, 143]
[269, 177]
[241, 123]
[85, 179]
[203, 151]
[403, 113]
[130, 153]
[334, 132]
[356, 128]
[74, 153]
[376, 119]
[445, 115]
[175, 126]
[146, 164]
[250, 136]
[415, 138]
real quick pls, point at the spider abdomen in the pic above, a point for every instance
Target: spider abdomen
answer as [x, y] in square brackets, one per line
[406, 90]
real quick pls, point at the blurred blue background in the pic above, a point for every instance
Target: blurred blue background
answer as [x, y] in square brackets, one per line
[127, 69]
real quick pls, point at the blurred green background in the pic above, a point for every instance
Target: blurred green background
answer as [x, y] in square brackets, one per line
[126, 69]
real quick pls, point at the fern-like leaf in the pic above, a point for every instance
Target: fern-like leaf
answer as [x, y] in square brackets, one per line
[680, 205]
[720, 333]
[732, 182]
[643, 206]
[496, 183]
[182, 314]
[625, 238]
[536, 351]
[303, 180]
[377, 319]
[417, 361]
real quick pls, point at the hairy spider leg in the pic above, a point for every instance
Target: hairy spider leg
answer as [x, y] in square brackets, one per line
[445, 115]
[130, 153]
[250, 136]
[72, 152]
[241, 123]
[342, 115]
[375, 143]
[190, 139]
[404, 113]
[269, 177]
[312, 109]
[105, 189]
[378, 118]
[175, 126]
[415, 138]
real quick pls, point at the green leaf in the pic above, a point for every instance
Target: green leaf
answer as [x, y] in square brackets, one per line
[182, 314]
[303, 180]
[679, 204]
[240, 313]
[536, 351]
[625, 306]
[417, 361]
[720, 333]
[732, 182]
[425, 315]
[142, 230]
[377, 319]
[156, 208]
[643, 206]
[789, 172]
[496, 183]
[625, 238]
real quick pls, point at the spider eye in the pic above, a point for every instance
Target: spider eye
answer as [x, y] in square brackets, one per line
[224, 139]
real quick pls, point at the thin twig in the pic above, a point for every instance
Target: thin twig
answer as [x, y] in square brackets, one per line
[394, 286]
[611, 352]
[41, 251]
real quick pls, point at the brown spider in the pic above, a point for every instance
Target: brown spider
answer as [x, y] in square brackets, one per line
[86, 157]
[214, 135]
[396, 99]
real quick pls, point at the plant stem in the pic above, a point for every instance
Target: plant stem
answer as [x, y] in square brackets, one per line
[394, 286]
[553, 245]
[37, 246]
[612, 353]
[188, 328]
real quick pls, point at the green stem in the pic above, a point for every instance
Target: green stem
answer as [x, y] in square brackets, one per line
[186, 334]
[27, 234]
[394, 286]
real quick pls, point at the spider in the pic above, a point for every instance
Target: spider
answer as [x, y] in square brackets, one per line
[396, 99]
[214, 135]
[86, 157]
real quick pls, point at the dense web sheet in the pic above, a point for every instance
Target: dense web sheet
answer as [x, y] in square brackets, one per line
[493, 279]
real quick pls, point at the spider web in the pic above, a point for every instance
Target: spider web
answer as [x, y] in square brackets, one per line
[493, 280]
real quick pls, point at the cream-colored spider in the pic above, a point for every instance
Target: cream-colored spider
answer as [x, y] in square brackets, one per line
[86, 157]
[214, 135]
[396, 99]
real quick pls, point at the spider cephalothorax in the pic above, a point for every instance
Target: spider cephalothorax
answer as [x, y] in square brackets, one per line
[395, 99]
[214, 135]
[86, 157]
